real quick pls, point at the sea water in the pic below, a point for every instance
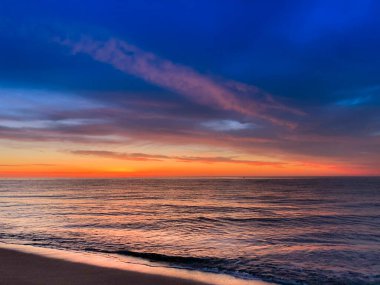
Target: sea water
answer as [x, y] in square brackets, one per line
[290, 231]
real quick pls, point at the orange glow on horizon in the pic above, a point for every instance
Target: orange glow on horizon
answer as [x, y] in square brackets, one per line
[29, 160]
[175, 170]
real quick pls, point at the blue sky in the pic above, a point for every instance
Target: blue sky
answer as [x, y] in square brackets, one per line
[301, 76]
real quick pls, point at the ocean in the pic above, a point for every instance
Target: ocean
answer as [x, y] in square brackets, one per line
[288, 231]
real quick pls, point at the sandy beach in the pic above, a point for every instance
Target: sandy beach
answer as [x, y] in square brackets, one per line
[22, 264]
[19, 268]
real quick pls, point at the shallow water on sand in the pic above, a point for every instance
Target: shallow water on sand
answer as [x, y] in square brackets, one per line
[310, 230]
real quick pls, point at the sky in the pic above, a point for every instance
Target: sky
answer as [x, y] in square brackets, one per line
[189, 88]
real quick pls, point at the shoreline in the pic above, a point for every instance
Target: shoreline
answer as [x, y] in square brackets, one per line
[24, 264]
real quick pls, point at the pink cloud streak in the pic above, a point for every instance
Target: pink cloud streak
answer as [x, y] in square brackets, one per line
[155, 157]
[231, 96]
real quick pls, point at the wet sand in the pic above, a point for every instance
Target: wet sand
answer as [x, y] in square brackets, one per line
[19, 268]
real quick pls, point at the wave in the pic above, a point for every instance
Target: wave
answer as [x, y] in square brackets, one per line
[158, 257]
[309, 220]
[207, 264]
[261, 269]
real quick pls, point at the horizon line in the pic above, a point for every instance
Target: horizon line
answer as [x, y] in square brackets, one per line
[185, 177]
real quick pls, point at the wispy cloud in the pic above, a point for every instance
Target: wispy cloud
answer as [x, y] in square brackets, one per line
[155, 157]
[360, 96]
[231, 96]
[119, 155]
[220, 159]
[226, 125]
[354, 101]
